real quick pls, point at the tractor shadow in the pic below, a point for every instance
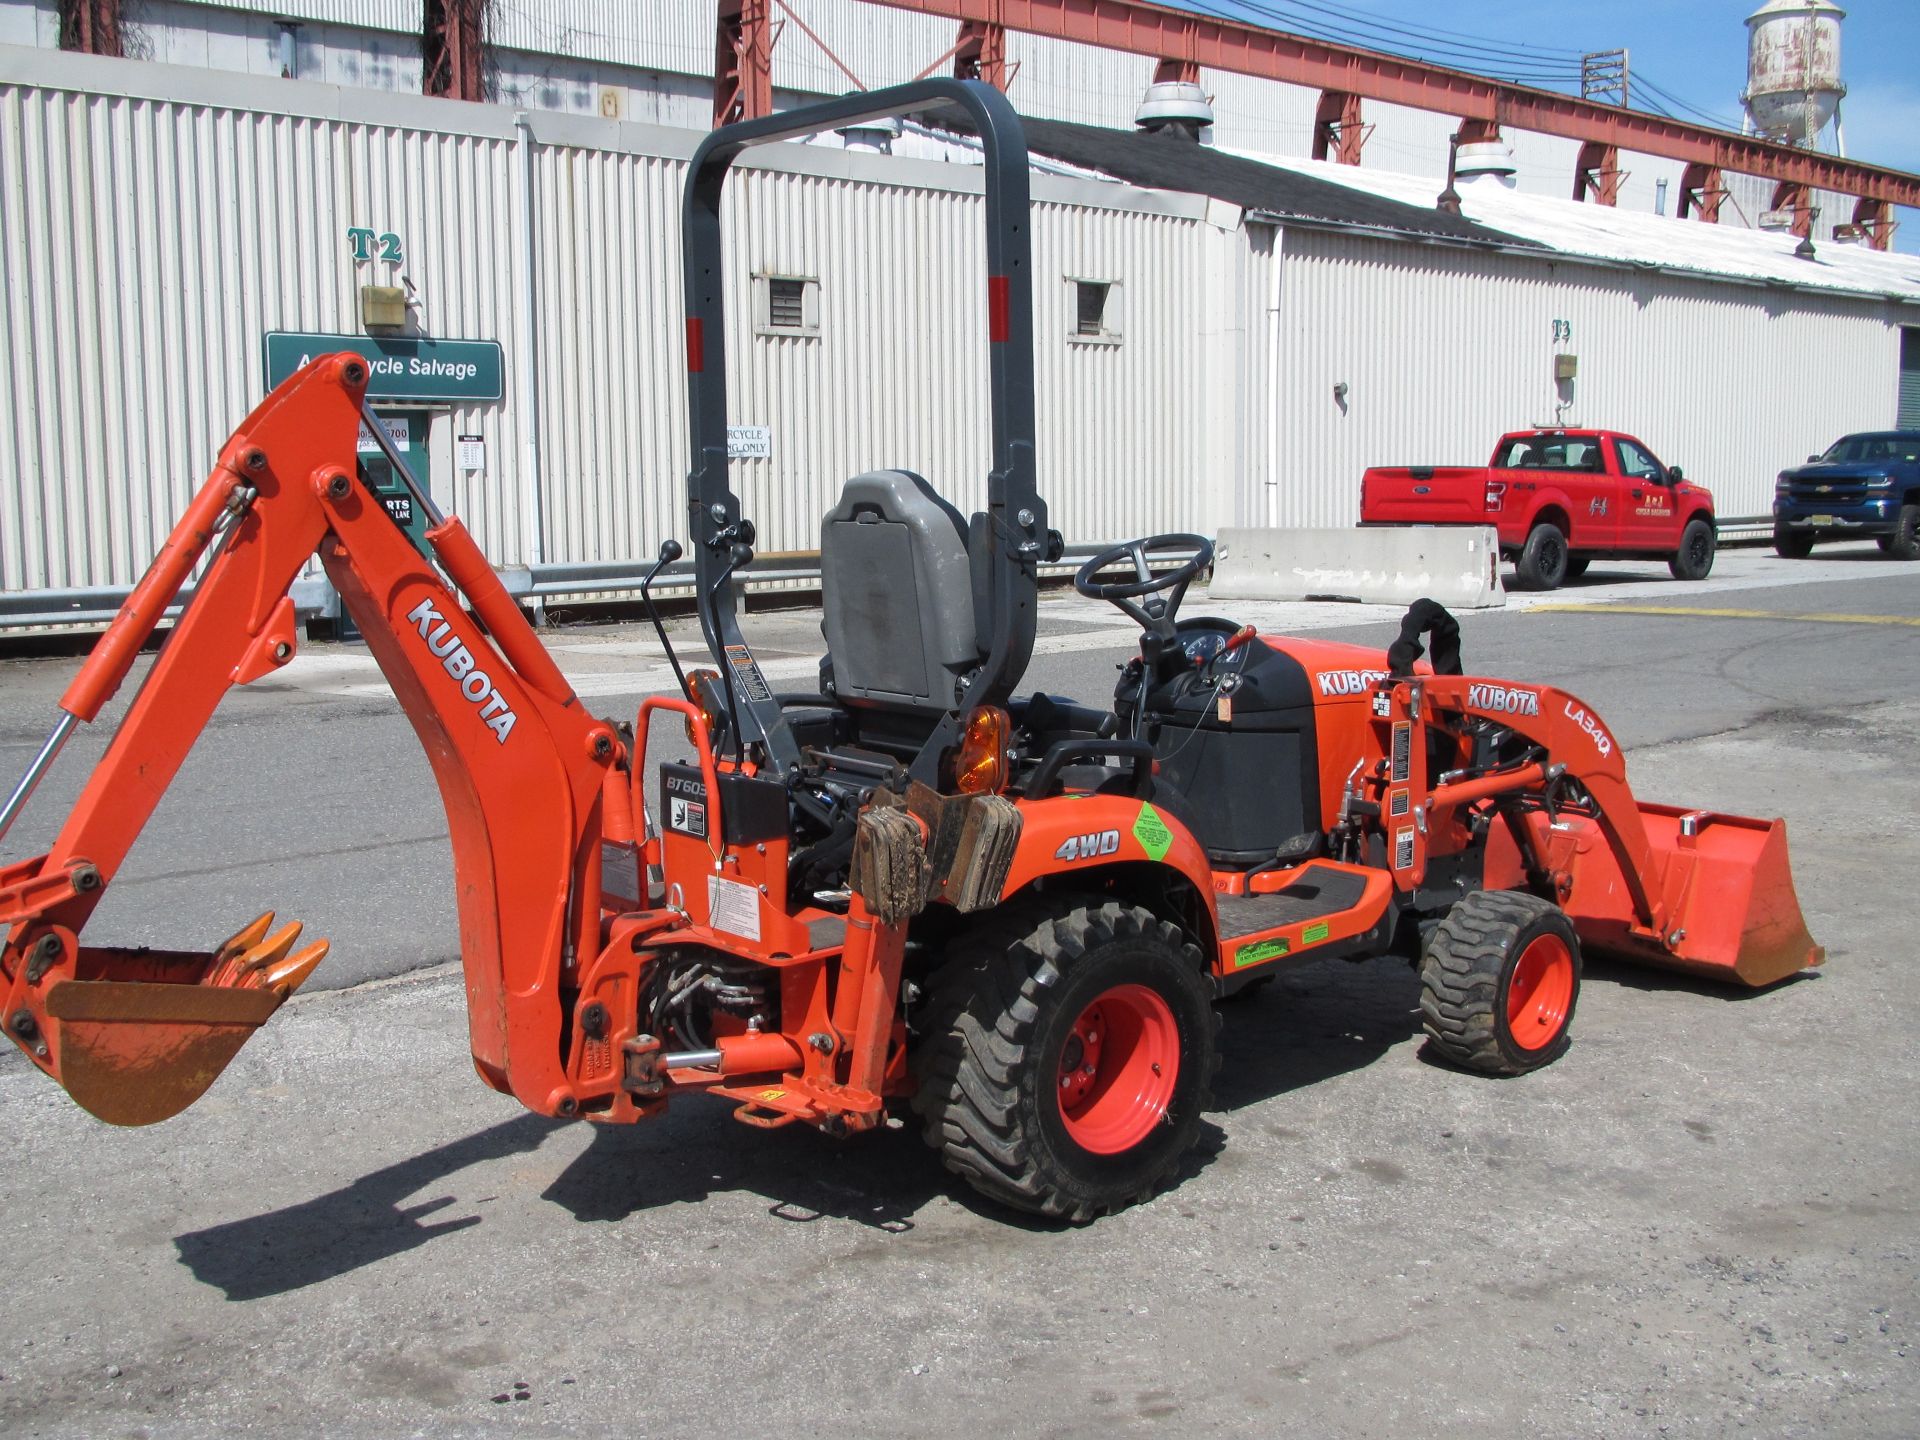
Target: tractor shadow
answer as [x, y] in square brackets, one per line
[352, 1227]
[880, 1180]
[1675, 982]
[1312, 1023]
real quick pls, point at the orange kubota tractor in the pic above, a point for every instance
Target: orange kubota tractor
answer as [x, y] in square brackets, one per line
[911, 888]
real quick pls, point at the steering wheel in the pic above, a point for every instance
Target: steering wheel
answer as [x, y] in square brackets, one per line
[1156, 615]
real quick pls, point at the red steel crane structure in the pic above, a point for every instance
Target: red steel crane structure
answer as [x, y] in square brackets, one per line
[1182, 42]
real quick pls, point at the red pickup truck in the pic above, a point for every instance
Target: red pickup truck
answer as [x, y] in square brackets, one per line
[1559, 498]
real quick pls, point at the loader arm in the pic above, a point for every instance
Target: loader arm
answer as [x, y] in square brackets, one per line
[136, 1035]
[1693, 890]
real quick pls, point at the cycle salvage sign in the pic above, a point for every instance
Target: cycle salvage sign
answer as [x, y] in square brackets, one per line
[401, 367]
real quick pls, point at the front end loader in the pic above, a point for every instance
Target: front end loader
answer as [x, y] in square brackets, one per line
[912, 888]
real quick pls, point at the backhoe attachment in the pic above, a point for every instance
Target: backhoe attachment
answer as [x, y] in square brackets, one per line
[136, 1035]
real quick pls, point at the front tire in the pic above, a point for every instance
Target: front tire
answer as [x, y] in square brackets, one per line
[1795, 544]
[1498, 983]
[1543, 559]
[1694, 559]
[1068, 1057]
[1904, 543]
[1577, 566]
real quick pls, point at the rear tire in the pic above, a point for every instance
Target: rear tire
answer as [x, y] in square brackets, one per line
[1543, 559]
[1795, 544]
[1904, 543]
[1498, 983]
[1694, 559]
[1576, 566]
[1068, 1057]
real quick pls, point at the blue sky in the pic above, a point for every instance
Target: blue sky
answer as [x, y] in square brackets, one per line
[1695, 50]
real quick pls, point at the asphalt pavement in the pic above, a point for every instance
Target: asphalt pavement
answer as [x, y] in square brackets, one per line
[1700, 1222]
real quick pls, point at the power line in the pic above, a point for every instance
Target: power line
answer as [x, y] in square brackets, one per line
[1521, 69]
[1521, 64]
[1428, 41]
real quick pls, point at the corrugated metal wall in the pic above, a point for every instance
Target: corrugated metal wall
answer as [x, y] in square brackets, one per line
[1444, 350]
[149, 246]
[152, 238]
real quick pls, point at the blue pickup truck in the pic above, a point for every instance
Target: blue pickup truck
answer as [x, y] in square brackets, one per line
[1866, 484]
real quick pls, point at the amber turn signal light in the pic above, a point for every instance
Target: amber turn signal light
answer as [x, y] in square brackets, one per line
[702, 686]
[981, 766]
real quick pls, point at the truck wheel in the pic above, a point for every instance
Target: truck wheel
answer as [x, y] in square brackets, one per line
[1067, 1057]
[1904, 543]
[1543, 560]
[1794, 544]
[1498, 982]
[1576, 566]
[1694, 559]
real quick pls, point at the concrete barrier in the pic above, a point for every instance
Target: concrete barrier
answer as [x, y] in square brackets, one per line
[1458, 565]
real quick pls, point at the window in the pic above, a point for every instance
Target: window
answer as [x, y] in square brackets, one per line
[1095, 307]
[786, 305]
[1638, 463]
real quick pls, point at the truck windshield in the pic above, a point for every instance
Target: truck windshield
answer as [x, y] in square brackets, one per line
[1853, 449]
[1550, 452]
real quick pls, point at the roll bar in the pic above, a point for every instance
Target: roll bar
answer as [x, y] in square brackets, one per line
[1008, 541]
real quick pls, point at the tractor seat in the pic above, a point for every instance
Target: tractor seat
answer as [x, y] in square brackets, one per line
[897, 592]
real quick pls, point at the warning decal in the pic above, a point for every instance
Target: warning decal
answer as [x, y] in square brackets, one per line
[746, 673]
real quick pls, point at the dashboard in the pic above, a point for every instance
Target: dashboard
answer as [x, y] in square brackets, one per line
[1202, 640]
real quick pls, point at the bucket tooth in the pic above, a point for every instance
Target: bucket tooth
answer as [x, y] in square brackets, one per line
[243, 939]
[286, 977]
[262, 956]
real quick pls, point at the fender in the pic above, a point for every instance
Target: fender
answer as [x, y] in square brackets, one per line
[1067, 833]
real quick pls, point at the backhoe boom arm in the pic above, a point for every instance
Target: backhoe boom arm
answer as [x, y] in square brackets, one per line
[137, 1035]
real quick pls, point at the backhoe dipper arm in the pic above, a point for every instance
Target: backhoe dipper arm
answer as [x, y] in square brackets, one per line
[137, 1035]
[1010, 538]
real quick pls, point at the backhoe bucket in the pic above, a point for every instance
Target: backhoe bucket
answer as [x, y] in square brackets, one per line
[1732, 913]
[138, 1035]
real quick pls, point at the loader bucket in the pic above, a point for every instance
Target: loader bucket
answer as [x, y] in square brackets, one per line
[138, 1035]
[1732, 911]
[1721, 883]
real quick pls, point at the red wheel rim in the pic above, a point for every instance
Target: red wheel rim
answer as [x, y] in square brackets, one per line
[1540, 993]
[1117, 1069]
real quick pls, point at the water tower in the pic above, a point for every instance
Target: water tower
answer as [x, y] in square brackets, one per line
[1793, 69]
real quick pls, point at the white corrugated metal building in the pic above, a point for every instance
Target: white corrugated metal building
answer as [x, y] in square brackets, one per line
[159, 219]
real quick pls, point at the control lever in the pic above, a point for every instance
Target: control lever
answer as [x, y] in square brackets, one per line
[670, 551]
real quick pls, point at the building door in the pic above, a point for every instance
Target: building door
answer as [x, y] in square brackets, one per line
[1909, 379]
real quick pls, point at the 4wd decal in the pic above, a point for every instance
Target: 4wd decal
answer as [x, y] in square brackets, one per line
[1504, 699]
[1348, 682]
[1152, 833]
[1602, 741]
[1087, 847]
[475, 684]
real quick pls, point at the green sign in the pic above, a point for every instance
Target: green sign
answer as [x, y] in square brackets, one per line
[1152, 833]
[1259, 950]
[402, 367]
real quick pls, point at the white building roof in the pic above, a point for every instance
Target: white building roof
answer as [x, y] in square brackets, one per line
[1635, 238]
